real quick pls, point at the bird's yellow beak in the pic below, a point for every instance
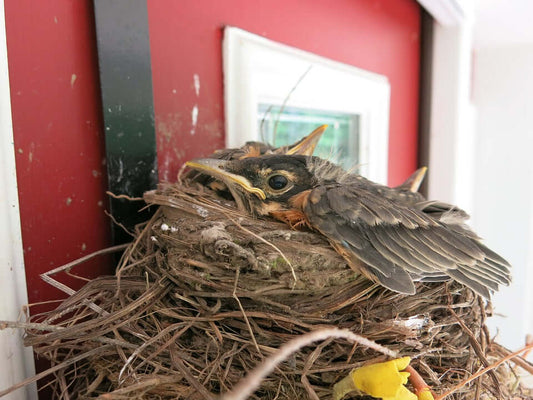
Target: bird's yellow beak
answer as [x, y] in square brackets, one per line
[306, 146]
[214, 168]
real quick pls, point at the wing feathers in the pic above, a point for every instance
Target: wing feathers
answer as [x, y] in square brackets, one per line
[472, 284]
[398, 244]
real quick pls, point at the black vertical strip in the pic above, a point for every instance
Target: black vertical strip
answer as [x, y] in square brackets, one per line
[126, 86]
[424, 112]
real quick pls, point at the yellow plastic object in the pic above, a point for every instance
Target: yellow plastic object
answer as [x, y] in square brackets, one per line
[384, 380]
[425, 394]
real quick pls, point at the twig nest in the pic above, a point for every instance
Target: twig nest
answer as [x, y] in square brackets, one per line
[204, 293]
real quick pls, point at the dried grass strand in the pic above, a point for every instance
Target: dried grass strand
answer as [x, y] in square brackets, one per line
[53, 369]
[484, 371]
[247, 386]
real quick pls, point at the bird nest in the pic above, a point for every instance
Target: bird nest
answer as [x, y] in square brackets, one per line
[205, 294]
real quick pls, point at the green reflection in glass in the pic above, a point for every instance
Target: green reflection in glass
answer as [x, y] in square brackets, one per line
[340, 142]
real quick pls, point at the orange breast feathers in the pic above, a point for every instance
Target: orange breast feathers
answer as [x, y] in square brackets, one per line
[294, 216]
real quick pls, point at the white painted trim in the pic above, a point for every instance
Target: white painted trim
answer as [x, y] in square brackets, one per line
[454, 156]
[16, 360]
[451, 149]
[257, 70]
[446, 12]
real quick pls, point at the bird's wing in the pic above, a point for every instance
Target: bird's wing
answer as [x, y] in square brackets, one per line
[397, 243]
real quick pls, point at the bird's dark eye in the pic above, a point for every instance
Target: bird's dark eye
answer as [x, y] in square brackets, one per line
[277, 182]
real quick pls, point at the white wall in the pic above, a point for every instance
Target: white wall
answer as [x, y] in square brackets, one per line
[502, 210]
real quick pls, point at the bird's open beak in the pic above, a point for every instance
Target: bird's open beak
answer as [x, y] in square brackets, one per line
[306, 146]
[214, 168]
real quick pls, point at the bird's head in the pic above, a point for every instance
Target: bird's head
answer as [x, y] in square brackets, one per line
[261, 184]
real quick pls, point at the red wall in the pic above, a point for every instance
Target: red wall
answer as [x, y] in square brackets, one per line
[185, 37]
[56, 108]
[58, 136]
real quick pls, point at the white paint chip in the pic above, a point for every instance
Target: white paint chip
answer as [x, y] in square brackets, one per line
[196, 79]
[120, 170]
[194, 117]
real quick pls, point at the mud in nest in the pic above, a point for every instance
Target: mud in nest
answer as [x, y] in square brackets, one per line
[205, 293]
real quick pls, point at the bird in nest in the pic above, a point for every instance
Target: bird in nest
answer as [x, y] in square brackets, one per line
[304, 146]
[392, 235]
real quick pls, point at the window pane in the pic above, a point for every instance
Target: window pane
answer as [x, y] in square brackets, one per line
[340, 142]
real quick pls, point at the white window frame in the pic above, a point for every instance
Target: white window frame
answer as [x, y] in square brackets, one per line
[17, 360]
[258, 70]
